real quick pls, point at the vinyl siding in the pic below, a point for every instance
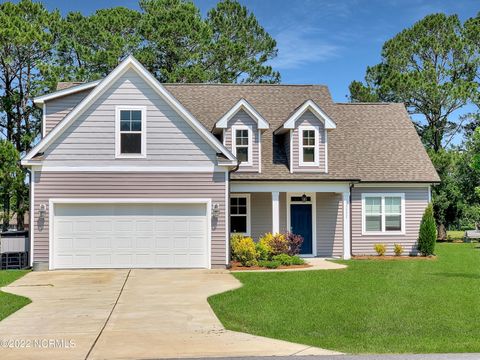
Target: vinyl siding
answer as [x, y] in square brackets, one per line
[329, 225]
[129, 185]
[90, 140]
[242, 118]
[308, 119]
[57, 109]
[416, 200]
[261, 217]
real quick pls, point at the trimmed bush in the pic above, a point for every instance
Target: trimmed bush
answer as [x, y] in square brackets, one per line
[427, 234]
[269, 264]
[294, 243]
[296, 260]
[275, 243]
[284, 259]
[234, 239]
[398, 249]
[263, 251]
[244, 251]
[381, 249]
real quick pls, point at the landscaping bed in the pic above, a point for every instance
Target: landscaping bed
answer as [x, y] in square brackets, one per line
[236, 266]
[393, 258]
[413, 306]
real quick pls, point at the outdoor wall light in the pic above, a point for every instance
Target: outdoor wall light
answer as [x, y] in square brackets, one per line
[43, 210]
[304, 198]
[215, 210]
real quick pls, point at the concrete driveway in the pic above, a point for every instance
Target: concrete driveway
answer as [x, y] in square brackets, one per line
[125, 314]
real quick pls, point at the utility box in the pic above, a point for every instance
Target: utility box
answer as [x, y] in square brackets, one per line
[14, 241]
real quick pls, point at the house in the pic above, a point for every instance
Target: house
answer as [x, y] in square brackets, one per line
[134, 173]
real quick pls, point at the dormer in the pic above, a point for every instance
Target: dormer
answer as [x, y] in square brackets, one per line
[241, 132]
[306, 133]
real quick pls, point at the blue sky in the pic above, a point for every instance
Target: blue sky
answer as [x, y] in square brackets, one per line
[321, 42]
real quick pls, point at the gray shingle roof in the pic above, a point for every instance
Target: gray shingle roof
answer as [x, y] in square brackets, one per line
[372, 142]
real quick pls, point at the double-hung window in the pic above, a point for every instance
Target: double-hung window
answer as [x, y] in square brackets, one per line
[308, 141]
[383, 213]
[242, 144]
[130, 131]
[240, 214]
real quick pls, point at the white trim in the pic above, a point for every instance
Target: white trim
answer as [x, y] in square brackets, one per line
[44, 120]
[249, 109]
[64, 92]
[382, 196]
[326, 150]
[129, 63]
[259, 151]
[313, 202]
[291, 152]
[315, 109]
[31, 233]
[346, 225]
[392, 185]
[316, 161]
[275, 212]
[227, 219]
[292, 186]
[249, 214]
[143, 132]
[119, 168]
[250, 143]
[429, 194]
[53, 201]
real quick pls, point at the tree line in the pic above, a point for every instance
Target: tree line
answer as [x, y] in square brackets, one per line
[433, 67]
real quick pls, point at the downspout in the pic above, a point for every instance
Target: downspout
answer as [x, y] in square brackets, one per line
[228, 204]
[350, 219]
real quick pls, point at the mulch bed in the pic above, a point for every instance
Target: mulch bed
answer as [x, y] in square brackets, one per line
[393, 258]
[237, 266]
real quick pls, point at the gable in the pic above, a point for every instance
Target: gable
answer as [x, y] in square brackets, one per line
[90, 139]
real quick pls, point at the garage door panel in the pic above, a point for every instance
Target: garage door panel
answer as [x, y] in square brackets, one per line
[124, 235]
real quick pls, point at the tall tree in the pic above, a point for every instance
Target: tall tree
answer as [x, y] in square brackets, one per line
[240, 46]
[26, 41]
[431, 68]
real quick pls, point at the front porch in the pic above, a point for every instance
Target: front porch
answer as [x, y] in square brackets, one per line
[313, 210]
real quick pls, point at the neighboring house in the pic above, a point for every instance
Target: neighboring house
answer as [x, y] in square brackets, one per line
[134, 173]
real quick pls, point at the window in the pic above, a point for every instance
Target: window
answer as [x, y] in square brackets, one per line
[130, 139]
[242, 144]
[308, 145]
[240, 214]
[383, 213]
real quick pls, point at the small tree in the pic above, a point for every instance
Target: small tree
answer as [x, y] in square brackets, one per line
[427, 235]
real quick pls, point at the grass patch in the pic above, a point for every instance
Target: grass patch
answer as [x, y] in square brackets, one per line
[455, 235]
[10, 303]
[370, 307]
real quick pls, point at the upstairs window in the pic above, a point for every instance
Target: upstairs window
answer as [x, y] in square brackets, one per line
[130, 139]
[242, 144]
[308, 142]
[383, 213]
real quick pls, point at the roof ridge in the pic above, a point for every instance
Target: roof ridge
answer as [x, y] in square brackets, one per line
[367, 103]
[249, 84]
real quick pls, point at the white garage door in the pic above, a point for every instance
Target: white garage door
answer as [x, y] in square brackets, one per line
[130, 235]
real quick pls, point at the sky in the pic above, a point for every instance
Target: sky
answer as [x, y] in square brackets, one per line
[327, 42]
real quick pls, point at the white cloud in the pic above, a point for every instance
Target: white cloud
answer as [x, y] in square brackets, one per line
[300, 46]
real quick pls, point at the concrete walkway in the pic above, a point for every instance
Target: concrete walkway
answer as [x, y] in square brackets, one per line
[122, 314]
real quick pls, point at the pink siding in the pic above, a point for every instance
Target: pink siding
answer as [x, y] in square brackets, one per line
[416, 199]
[308, 119]
[242, 118]
[58, 108]
[129, 185]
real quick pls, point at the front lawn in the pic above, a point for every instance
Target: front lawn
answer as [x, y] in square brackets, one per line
[455, 235]
[10, 303]
[372, 306]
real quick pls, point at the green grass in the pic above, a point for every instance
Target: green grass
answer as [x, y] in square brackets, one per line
[455, 235]
[411, 306]
[10, 303]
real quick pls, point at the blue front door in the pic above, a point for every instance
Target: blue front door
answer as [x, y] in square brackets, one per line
[301, 224]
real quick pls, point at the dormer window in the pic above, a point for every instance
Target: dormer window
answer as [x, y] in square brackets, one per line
[308, 145]
[130, 132]
[242, 144]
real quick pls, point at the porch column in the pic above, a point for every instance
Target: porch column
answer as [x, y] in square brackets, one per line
[275, 212]
[346, 225]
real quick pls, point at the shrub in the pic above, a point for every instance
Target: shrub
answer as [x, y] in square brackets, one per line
[263, 251]
[275, 243]
[244, 251]
[234, 239]
[381, 249]
[398, 249]
[428, 232]
[294, 243]
[296, 260]
[284, 259]
[269, 264]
